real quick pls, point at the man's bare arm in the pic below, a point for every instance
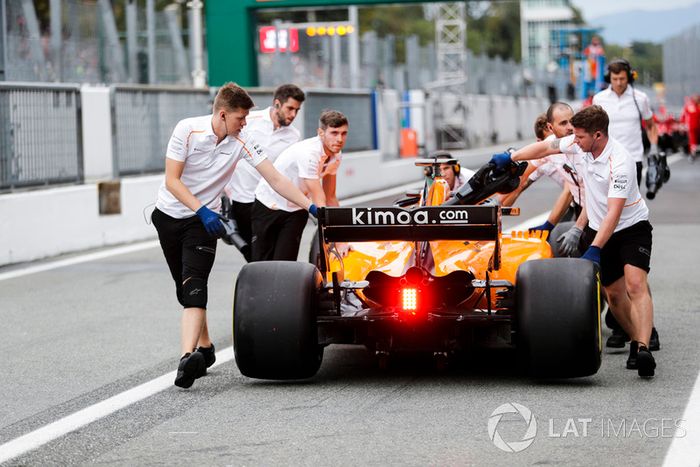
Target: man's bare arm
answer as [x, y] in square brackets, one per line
[536, 150]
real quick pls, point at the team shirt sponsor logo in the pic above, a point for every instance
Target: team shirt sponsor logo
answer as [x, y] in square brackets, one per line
[620, 183]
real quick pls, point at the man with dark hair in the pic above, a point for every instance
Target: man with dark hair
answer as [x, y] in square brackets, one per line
[618, 230]
[272, 129]
[627, 108]
[202, 153]
[312, 164]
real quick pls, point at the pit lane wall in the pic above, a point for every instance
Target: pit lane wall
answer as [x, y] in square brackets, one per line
[48, 222]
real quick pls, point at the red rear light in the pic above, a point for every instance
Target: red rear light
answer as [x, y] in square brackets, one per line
[409, 299]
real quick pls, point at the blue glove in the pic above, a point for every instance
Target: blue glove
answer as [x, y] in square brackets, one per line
[210, 219]
[501, 160]
[313, 210]
[592, 254]
[548, 226]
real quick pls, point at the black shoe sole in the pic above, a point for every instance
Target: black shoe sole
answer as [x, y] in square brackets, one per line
[645, 364]
[194, 364]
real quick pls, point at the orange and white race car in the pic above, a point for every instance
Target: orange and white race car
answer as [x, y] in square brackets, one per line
[438, 276]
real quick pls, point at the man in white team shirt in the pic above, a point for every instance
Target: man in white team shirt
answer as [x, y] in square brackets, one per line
[626, 108]
[312, 164]
[272, 129]
[565, 169]
[618, 227]
[202, 153]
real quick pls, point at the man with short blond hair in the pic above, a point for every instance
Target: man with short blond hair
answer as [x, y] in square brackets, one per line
[201, 156]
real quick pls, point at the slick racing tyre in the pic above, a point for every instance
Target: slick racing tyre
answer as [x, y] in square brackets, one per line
[275, 335]
[558, 317]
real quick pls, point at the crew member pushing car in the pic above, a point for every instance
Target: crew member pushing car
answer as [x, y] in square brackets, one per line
[272, 129]
[618, 224]
[201, 156]
[312, 164]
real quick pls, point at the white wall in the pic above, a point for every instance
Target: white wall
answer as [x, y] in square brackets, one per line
[61, 220]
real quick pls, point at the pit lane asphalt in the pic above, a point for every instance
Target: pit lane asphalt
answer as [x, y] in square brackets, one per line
[77, 335]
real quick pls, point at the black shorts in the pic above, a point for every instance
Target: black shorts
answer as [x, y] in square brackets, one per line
[276, 233]
[189, 251]
[627, 246]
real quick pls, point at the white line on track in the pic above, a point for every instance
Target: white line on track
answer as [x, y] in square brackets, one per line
[79, 259]
[685, 447]
[683, 451]
[79, 419]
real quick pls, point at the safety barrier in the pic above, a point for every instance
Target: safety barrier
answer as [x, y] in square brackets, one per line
[143, 118]
[40, 135]
[67, 134]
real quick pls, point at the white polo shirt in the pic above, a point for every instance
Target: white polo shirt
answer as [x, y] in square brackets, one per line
[305, 159]
[245, 179]
[565, 169]
[208, 166]
[612, 175]
[625, 125]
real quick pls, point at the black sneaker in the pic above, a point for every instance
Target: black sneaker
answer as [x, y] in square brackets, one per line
[632, 359]
[654, 343]
[645, 362]
[191, 364]
[618, 339]
[209, 358]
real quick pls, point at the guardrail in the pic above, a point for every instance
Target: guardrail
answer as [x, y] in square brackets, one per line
[40, 135]
[143, 118]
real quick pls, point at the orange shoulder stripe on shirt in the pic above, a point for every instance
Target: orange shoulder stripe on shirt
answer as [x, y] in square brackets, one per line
[187, 142]
[628, 205]
[244, 147]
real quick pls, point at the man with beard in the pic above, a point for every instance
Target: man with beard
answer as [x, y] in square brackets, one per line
[271, 128]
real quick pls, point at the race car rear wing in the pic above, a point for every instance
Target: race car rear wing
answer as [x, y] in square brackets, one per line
[428, 223]
[368, 224]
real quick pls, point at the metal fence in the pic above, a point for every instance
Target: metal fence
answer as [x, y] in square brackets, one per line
[357, 107]
[40, 135]
[90, 48]
[681, 60]
[143, 118]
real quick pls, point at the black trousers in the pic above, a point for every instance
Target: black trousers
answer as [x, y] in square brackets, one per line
[241, 213]
[276, 233]
[189, 251]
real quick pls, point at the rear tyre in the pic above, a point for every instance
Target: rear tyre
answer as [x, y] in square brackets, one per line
[275, 335]
[558, 317]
